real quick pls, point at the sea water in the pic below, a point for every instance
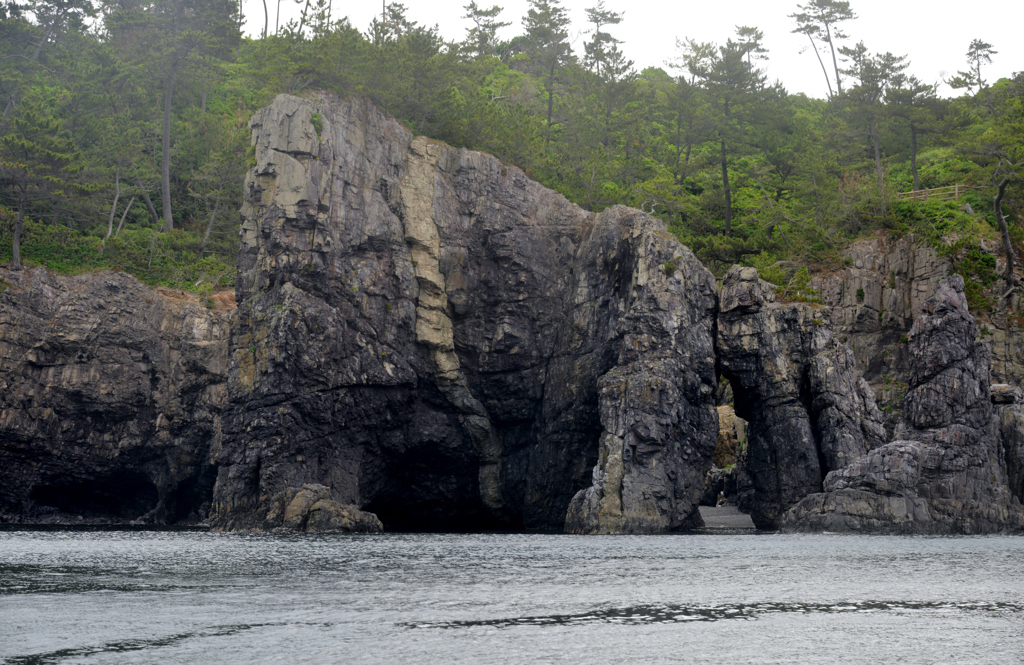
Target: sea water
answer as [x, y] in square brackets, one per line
[73, 596]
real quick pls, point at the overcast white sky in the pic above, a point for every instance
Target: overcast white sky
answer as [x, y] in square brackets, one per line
[934, 34]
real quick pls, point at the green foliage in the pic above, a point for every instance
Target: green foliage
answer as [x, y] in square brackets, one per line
[978, 270]
[799, 288]
[957, 236]
[738, 169]
[860, 295]
[318, 124]
[170, 261]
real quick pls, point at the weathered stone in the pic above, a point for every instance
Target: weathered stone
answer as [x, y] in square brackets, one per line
[308, 509]
[875, 298]
[808, 411]
[846, 419]
[947, 470]
[110, 398]
[1003, 393]
[732, 436]
[1011, 434]
[328, 516]
[436, 338]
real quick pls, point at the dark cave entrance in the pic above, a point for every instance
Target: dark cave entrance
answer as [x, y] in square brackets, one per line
[122, 495]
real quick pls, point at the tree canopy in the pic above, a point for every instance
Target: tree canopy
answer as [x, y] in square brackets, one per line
[130, 118]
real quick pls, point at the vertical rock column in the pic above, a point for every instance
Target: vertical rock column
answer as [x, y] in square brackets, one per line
[657, 405]
[433, 325]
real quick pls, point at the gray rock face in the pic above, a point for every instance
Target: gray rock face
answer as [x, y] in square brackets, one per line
[110, 399]
[875, 299]
[808, 411]
[946, 471]
[439, 340]
[1008, 402]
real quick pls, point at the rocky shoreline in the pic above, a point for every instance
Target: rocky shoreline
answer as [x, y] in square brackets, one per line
[425, 339]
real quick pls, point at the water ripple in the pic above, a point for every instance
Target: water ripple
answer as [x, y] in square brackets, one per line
[124, 646]
[655, 614]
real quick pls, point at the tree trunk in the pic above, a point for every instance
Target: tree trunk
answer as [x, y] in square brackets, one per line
[266, 19]
[913, 157]
[123, 215]
[878, 156]
[113, 208]
[835, 63]
[16, 243]
[150, 206]
[1005, 232]
[551, 102]
[165, 159]
[209, 225]
[821, 62]
[728, 192]
[206, 80]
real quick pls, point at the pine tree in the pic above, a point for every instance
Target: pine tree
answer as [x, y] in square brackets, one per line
[482, 39]
[820, 21]
[35, 160]
[547, 45]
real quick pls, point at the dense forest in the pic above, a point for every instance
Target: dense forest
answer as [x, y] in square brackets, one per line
[124, 137]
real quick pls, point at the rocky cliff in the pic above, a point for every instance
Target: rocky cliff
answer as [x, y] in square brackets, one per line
[808, 410]
[947, 469]
[427, 339]
[439, 340]
[875, 298]
[110, 398]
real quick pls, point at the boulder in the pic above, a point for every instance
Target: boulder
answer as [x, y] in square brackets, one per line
[310, 509]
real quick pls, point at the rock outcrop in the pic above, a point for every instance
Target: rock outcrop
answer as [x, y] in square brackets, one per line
[439, 340]
[1008, 403]
[946, 470]
[732, 437]
[425, 339]
[807, 409]
[875, 299]
[110, 398]
[310, 509]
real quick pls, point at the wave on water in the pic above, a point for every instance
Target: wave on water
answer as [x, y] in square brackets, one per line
[653, 614]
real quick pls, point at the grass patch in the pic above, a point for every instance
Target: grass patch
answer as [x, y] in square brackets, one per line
[165, 259]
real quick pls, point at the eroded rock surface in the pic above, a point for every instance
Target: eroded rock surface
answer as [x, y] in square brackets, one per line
[807, 408]
[875, 299]
[946, 471]
[310, 509]
[110, 398]
[1011, 434]
[439, 340]
[732, 437]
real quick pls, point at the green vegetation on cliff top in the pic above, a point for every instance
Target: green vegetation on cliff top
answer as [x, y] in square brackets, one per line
[124, 138]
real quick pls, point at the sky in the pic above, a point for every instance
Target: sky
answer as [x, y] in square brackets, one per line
[935, 35]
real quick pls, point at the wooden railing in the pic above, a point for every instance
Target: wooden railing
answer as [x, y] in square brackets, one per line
[949, 193]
